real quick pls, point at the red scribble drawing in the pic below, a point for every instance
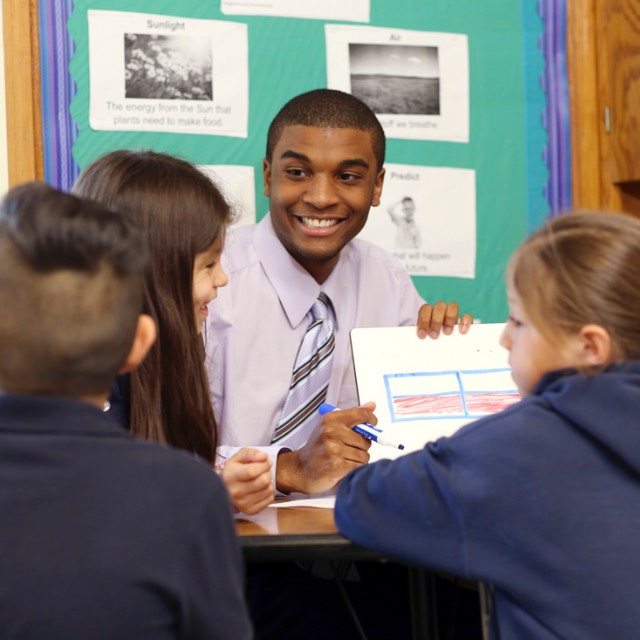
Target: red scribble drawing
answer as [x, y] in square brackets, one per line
[490, 402]
[452, 404]
[436, 405]
[457, 393]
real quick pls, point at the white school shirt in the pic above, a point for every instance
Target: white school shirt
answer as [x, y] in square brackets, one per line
[257, 322]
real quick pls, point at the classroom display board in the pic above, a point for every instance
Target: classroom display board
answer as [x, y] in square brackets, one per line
[455, 85]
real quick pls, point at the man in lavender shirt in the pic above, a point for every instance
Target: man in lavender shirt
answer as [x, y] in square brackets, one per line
[322, 172]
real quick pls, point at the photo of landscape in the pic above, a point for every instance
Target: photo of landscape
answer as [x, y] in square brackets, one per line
[396, 79]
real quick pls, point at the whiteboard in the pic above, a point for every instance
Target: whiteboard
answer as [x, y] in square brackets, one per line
[425, 389]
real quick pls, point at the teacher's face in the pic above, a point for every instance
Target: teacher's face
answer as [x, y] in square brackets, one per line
[321, 184]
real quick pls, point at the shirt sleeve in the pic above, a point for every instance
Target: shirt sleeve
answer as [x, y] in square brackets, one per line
[410, 301]
[416, 493]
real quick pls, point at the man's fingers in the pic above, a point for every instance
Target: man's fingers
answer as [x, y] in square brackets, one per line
[442, 317]
[424, 320]
[450, 318]
[465, 322]
[437, 319]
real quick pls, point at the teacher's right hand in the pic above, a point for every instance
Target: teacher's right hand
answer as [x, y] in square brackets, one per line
[333, 449]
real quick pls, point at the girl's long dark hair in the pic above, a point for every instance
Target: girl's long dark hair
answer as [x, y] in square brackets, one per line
[183, 213]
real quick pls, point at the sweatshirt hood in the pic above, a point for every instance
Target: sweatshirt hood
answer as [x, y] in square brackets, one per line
[606, 406]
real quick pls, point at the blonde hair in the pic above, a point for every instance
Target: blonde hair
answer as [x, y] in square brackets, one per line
[578, 269]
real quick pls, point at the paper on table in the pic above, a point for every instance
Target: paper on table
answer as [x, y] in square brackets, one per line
[323, 502]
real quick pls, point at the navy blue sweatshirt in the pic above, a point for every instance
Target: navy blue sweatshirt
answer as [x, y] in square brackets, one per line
[105, 537]
[540, 501]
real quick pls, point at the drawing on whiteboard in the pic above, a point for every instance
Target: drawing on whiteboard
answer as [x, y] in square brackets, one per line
[428, 389]
[453, 394]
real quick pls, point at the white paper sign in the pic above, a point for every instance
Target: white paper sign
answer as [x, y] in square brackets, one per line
[427, 219]
[353, 10]
[416, 82]
[238, 186]
[163, 73]
[425, 389]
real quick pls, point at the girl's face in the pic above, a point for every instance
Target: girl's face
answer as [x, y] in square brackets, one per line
[207, 277]
[531, 355]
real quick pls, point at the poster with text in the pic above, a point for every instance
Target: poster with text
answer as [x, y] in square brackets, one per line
[416, 82]
[163, 73]
[427, 219]
[353, 10]
[238, 187]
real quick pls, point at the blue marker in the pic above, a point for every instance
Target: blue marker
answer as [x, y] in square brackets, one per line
[365, 429]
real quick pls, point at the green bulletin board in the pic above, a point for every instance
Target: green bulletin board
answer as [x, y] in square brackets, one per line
[287, 56]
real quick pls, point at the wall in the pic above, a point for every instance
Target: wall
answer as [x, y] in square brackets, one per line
[503, 147]
[507, 135]
[4, 160]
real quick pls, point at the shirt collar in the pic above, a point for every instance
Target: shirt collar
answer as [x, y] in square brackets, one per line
[49, 414]
[296, 288]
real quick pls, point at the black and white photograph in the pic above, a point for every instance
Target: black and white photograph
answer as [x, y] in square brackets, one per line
[416, 82]
[427, 219]
[391, 78]
[161, 67]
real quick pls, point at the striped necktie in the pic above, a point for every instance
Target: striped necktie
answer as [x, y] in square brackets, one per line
[310, 380]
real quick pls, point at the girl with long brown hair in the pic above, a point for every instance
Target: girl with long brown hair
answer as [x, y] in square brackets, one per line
[167, 398]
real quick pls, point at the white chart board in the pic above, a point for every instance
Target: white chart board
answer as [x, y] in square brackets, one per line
[425, 389]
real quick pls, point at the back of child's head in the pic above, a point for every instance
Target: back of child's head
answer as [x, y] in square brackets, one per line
[579, 269]
[183, 213]
[71, 291]
[328, 109]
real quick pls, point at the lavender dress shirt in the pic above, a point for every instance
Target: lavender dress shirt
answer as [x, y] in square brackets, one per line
[256, 324]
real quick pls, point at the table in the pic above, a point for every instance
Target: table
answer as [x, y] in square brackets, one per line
[309, 533]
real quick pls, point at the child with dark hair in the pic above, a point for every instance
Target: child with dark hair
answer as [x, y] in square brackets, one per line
[185, 216]
[103, 536]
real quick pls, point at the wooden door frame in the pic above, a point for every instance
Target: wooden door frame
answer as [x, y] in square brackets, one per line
[592, 148]
[23, 99]
[584, 104]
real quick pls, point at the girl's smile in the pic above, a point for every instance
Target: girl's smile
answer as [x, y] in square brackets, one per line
[208, 275]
